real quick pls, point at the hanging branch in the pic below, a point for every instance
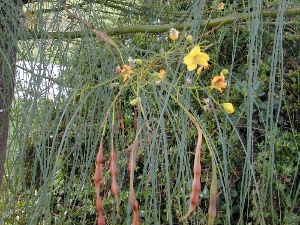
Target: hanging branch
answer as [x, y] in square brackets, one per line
[101, 35]
[116, 6]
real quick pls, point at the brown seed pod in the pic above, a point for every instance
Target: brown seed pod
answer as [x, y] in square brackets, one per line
[113, 173]
[131, 173]
[136, 218]
[196, 186]
[97, 182]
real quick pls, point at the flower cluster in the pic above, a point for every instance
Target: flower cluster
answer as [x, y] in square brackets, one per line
[196, 60]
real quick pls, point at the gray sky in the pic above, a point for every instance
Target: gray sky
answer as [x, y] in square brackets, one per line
[37, 79]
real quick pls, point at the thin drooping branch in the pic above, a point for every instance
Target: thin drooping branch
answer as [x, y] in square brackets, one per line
[101, 35]
[240, 17]
[116, 6]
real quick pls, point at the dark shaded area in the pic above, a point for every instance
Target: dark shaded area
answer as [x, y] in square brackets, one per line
[7, 68]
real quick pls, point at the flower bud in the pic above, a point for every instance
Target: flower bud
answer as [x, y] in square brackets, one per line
[225, 71]
[189, 38]
[228, 107]
[174, 34]
[294, 86]
[139, 62]
[133, 102]
[155, 75]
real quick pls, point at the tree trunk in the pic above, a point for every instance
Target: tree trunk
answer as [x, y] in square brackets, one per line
[8, 42]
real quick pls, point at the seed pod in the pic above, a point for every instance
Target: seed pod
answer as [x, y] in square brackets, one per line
[212, 210]
[136, 218]
[113, 172]
[131, 173]
[196, 186]
[97, 182]
[120, 119]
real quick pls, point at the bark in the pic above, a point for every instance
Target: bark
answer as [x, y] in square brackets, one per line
[8, 43]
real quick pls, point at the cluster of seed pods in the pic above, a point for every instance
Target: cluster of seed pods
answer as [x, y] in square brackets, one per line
[114, 185]
[196, 185]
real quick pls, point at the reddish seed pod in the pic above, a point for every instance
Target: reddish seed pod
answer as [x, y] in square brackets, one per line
[101, 220]
[113, 166]
[195, 194]
[98, 204]
[132, 196]
[196, 185]
[136, 218]
[99, 158]
[113, 172]
[114, 187]
[131, 174]
[97, 182]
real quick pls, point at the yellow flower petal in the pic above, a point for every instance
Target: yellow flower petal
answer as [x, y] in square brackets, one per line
[195, 58]
[189, 61]
[202, 59]
[195, 50]
[191, 66]
[228, 107]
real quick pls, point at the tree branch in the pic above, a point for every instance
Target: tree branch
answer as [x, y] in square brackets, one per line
[166, 27]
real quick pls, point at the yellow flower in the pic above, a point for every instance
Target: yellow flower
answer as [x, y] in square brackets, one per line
[174, 34]
[221, 6]
[194, 58]
[162, 74]
[218, 82]
[125, 72]
[228, 107]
